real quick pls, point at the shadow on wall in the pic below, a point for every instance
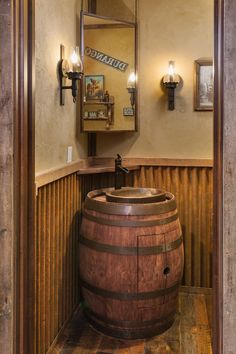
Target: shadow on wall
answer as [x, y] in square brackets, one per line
[109, 145]
[119, 9]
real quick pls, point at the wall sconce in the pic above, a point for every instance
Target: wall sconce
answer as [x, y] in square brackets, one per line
[71, 69]
[131, 87]
[171, 81]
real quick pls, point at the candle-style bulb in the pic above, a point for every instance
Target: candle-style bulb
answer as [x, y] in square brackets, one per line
[131, 80]
[171, 68]
[171, 75]
[75, 61]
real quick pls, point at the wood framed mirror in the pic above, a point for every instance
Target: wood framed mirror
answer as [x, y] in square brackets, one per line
[109, 86]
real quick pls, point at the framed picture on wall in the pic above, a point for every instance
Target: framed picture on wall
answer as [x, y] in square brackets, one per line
[203, 89]
[94, 87]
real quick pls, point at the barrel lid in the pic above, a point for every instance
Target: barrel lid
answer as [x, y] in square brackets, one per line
[96, 201]
[136, 195]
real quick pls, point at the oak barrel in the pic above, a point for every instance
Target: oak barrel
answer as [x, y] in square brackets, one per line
[131, 263]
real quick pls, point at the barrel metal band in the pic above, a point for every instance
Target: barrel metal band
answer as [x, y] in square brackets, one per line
[131, 251]
[130, 223]
[123, 333]
[129, 296]
[135, 324]
[131, 209]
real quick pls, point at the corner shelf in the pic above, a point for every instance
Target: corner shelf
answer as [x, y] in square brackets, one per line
[108, 111]
[98, 103]
[95, 119]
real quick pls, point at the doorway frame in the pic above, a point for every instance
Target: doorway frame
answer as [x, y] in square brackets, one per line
[24, 187]
[23, 61]
[217, 255]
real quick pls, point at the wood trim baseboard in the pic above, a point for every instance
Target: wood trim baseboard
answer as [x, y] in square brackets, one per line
[196, 290]
[95, 165]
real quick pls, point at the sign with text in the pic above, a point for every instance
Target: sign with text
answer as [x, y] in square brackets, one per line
[128, 111]
[106, 59]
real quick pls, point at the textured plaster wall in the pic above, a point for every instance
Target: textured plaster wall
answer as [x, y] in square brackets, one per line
[179, 30]
[56, 126]
[168, 30]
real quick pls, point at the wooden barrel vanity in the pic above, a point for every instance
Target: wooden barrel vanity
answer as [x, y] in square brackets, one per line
[131, 261]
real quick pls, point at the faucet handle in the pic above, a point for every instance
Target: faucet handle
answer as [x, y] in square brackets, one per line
[118, 160]
[124, 169]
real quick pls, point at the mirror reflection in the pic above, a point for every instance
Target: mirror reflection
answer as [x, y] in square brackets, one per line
[119, 9]
[109, 83]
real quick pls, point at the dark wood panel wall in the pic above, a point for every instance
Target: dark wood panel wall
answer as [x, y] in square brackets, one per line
[58, 215]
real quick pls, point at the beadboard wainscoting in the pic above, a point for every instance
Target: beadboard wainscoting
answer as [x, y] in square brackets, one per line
[58, 214]
[193, 189]
[56, 271]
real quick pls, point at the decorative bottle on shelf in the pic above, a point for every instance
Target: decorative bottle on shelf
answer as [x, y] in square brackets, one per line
[106, 96]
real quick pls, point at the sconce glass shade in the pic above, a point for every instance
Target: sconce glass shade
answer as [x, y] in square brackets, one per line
[171, 76]
[131, 80]
[71, 69]
[171, 81]
[131, 87]
[74, 61]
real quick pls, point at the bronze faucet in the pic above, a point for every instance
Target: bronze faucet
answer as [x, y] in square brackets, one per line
[119, 169]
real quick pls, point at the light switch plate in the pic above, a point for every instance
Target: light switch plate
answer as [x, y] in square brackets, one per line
[69, 154]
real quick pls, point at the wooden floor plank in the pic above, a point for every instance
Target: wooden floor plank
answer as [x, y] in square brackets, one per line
[209, 306]
[187, 310]
[190, 334]
[108, 345]
[204, 341]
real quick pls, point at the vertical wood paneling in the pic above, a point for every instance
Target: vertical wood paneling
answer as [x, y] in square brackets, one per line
[193, 189]
[58, 206]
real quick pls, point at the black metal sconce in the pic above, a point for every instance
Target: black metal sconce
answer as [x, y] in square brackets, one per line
[131, 87]
[71, 69]
[171, 81]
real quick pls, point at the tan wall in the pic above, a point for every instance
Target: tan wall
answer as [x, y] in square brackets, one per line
[56, 126]
[179, 30]
[168, 30]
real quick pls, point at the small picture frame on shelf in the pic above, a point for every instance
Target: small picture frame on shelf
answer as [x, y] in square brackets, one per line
[94, 87]
[203, 90]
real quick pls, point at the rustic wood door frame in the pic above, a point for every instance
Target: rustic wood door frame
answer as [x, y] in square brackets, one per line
[218, 179]
[23, 17]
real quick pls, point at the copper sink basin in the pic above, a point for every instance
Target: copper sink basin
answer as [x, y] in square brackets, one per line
[136, 195]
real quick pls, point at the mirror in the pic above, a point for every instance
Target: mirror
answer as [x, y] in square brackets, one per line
[109, 92]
